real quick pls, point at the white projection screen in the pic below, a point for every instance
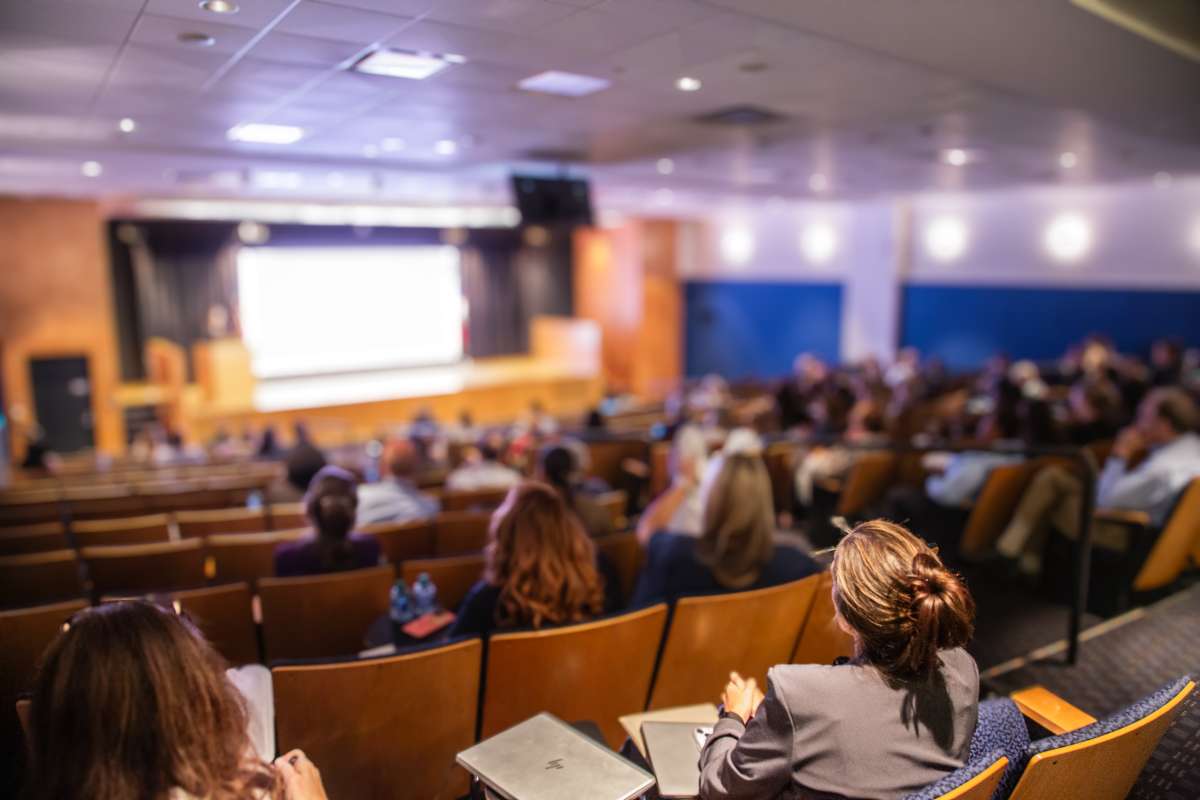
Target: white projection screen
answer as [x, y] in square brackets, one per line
[322, 310]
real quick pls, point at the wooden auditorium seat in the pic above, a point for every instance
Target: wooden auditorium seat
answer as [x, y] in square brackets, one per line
[386, 727]
[322, 615]
[1097, 760]
[606, 456]
[224, 614]
[626, 556]
[866, 482]
[993, 508]
[30, 507]
[780, 458]
[38, 538]
[185, 497]
[122, 530]
[709, 637]
[287, 516]
[37, 578]
[821, 640]
[596, 671]
[459, 532]
[453, 576]
[1172, 547]
[247, 557]
[402, 541]
[141, 568]
[472, 499]
[614, 503]
[104, 502]
[220, 521]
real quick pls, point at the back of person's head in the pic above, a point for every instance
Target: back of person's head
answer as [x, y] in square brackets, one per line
[331, 504]
[130, 703]
[556, 466]
[303, 462]
[737, 535]
[1095, 398]
[542, 559]
[1173, 406]
[900, 602]
[491, 446]
[689, 453]
[401, 457]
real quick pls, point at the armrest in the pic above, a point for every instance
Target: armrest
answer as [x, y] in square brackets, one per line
[831, 485]
[1050, 711]
[1134, 519]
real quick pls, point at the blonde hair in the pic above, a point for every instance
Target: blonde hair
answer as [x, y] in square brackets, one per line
[737, 537]
[902, 603]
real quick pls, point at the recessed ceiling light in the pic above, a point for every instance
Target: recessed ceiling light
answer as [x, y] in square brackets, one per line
[946, 238]
[818, 242]
[265, 133]
[818, 182]
[737, 245]
[219, 6]
[393, 144]
[91, 169]
[127, 125]
[687, 84]
[1068, 160]
[1162, 179]
[401, 64]
[564, 84]
[445, 147]
[196, 39]
[665, 166]
[1068, 237]
[955, 157]
[454, 58]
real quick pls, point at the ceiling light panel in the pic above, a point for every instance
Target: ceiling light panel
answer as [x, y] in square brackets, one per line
[402, 64]
[564, 84]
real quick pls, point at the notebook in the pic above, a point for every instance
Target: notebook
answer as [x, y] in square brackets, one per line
[702, 714]
[543, 758]
[674, 751]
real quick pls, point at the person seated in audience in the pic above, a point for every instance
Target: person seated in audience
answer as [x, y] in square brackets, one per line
[864, 428]
[303, 462]
[809, 373]
[1094, 411]
[268, 445]
[736, 549]
[131, 702]
[1166, 362]
[540, 568]
[482, 469]
[330, 504]
[39, 461]
[679, 509]
[396, 497]
[557, 467]
[1164, 430]
[897, 717]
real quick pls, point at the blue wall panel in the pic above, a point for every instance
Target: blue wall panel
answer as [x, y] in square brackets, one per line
[756, 329]
[964, 325]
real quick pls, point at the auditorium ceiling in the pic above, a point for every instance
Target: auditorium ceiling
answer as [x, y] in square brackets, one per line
[862, 98]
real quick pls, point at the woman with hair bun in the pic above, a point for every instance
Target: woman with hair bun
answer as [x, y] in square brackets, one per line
[331, 505]
[895, 718]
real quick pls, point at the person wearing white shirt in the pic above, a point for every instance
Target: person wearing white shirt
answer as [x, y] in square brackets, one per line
[485, 473]
[396, 498]
[1165, 429]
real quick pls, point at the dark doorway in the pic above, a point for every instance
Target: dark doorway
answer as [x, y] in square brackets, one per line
[62, 399]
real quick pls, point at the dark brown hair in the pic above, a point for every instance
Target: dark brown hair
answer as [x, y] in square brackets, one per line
[130, 703]
[542, 560]
[904, 605]
[1175, 406]
[331, 505]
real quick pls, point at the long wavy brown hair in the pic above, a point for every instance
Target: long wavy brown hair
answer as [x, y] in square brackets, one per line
[130, 703]
[542, 560]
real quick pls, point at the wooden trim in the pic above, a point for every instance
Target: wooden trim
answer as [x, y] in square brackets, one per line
[1134, 519]
[352, 662]
[604, 622]
[982, 785]
[1050, 711]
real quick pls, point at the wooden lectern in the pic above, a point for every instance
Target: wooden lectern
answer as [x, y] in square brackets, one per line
[223, 372]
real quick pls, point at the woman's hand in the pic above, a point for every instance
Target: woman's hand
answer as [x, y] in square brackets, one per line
[742, 697]
[301, 778]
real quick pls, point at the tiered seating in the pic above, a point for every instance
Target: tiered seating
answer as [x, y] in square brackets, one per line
[37, 578]
[322, 615]
[460, 532]
[145, 567]
[245, 557]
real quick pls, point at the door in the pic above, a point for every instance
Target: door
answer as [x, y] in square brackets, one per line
[62, 399]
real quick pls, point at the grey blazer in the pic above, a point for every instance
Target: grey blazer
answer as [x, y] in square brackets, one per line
[845, 732]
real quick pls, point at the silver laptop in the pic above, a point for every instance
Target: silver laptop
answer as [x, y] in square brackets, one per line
[543, 758]
[674, 752]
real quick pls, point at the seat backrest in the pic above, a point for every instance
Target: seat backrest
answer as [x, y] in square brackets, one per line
[626, 556]
[712, 636]
[37, 578]
[453, 576]
[246, 557]
[186, 498]
[402, 541]
[468, 499]
[780, 458]
[288, 516]
[193, 524]
[977, 780]
[31, 508]
[1103, 760]
[459, 532]
[1173, 546]
[605, 457]
[226, 617]
[866, 482]
[38, 538]
[595, 671]
[614, 503]
[142, 568]
[821, 640]
[994, 507]
[128, 530]
[403, 748]
[319, 616]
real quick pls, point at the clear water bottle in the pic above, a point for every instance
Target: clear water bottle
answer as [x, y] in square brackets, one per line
[254, 500]
[402, 606]
[424, 595]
